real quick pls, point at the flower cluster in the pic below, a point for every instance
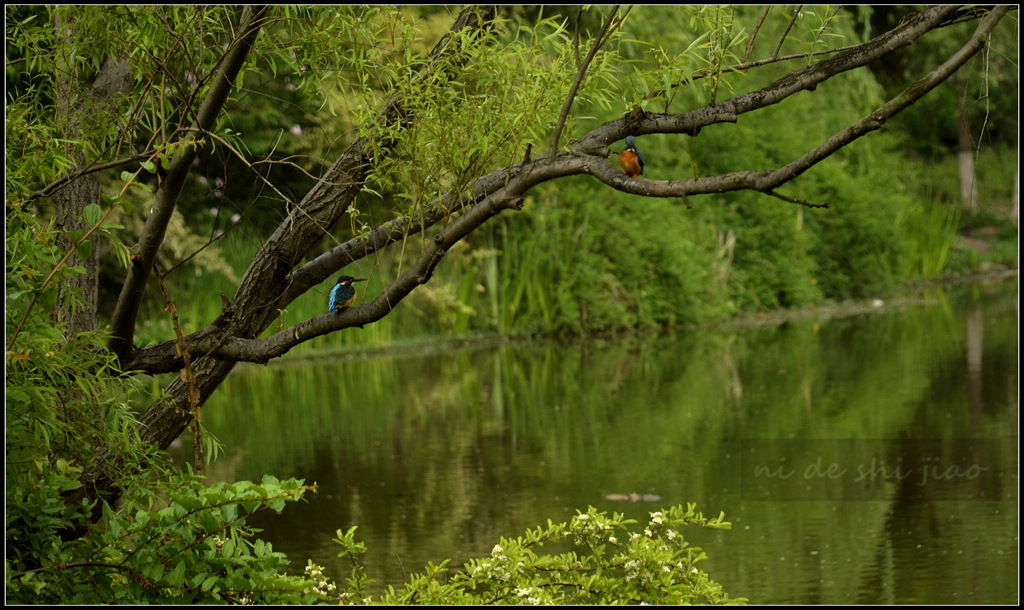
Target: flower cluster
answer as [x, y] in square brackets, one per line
[324, 586]
[527, 595]
[499, 566]
[587, 527]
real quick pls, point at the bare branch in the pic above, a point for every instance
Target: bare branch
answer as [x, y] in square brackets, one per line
[782, 39]
[753, 35]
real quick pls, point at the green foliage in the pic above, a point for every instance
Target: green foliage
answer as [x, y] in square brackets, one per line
[613, 565]
[196, 549]
[63, 394]
[66, 411]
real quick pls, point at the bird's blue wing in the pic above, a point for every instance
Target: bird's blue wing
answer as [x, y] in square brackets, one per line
[333, 301]
[641, 160]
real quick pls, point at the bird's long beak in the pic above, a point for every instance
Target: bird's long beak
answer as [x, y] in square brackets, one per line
[362, 279]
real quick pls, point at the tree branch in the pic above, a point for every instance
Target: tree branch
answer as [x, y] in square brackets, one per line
[126, 311]
[806, 79]
[54, 186]
[216, 344]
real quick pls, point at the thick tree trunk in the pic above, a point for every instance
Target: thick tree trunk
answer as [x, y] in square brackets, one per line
[80, 313]
[79, 106]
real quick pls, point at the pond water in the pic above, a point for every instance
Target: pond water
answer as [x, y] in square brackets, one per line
[865, 458]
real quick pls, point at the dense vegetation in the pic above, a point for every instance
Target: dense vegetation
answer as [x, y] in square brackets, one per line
[95, 134]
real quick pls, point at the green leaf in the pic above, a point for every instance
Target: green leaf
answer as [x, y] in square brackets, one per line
[84, 249]
[177, 577]
[209, 582]
[17, 396]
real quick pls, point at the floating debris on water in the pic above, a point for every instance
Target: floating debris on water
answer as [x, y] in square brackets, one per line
[633, 497]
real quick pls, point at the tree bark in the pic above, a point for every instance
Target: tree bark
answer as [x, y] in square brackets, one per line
[79, 107]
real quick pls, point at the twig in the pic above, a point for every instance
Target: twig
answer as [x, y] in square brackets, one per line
[599, 41]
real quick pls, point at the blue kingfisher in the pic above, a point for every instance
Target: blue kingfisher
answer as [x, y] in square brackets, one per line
[343, 294]
[631, 159]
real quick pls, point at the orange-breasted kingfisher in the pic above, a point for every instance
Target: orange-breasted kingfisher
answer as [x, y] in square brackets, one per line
[631, 159]
[343, 294]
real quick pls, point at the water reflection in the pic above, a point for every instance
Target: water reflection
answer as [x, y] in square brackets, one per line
[437, 455]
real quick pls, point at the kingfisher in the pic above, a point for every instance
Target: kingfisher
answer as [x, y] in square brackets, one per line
[343, 294]
[631, 159]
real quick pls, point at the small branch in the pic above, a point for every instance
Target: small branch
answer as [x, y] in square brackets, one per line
[581, 72]
[60, 567]
[757, 28]
[796, 201]
[765, 182]
[251, 166]
[792, 22]
[799, 80]
[188, 375]
[51, 188]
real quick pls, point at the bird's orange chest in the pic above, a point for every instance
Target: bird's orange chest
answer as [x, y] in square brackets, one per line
[630, 163]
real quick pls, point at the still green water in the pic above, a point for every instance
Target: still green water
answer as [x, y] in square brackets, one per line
[867, 458]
